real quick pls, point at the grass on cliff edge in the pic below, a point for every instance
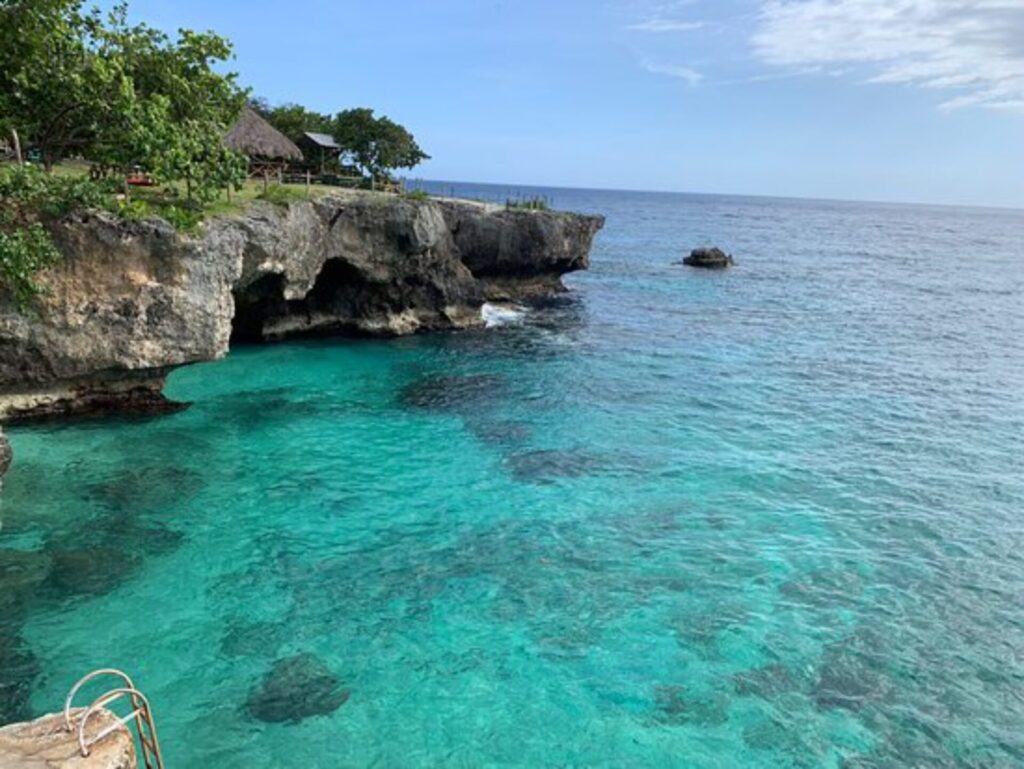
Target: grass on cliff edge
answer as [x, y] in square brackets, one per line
[29, 198]
[169, 201]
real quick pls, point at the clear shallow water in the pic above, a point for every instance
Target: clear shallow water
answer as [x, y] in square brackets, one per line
[768, 517]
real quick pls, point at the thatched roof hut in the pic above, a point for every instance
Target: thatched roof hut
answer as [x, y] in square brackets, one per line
[253, 136]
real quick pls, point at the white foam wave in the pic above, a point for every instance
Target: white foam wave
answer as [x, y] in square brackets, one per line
[495, 315]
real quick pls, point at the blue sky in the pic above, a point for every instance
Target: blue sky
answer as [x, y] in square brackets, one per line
[903, 100]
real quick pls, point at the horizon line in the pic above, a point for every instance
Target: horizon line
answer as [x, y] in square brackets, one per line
[867, 201]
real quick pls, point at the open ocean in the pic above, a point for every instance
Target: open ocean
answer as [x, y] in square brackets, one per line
[766, 517]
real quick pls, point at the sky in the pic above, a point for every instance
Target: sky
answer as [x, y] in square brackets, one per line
[891, 100]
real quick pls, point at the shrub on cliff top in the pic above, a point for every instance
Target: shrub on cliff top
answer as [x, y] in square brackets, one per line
[28, 198]
[537, 203]
[23, 253]
[27, 193]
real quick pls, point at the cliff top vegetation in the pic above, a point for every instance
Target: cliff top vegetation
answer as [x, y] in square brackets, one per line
[90, 103]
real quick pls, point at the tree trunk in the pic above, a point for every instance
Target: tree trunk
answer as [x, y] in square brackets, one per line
[17, 147]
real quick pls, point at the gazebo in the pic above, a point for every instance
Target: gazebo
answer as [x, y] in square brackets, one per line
[319, 147]
[268, 149]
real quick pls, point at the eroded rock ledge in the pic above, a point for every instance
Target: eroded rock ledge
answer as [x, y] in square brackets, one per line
[44, 744]
[132, 300]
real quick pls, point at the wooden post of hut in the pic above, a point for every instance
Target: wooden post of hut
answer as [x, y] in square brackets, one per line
[16, 146]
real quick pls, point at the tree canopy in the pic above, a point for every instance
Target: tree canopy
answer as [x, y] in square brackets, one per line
[84, 83]
[292, 120]
[376, 144]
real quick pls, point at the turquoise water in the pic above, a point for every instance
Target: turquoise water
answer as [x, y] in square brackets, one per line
[772, 517]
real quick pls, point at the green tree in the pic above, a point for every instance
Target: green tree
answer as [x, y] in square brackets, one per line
[118, 94]
[377, 145]
[54, 90]
[174, 128]
[293, 120]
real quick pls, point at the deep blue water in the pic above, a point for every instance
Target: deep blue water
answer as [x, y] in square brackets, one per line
[768, 517]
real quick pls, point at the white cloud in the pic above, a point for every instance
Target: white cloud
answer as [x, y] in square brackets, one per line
[972, 48]
[691, 76]
[666, 25]
[662, 16]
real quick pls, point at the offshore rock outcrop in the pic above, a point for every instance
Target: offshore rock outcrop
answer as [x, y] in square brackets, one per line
[712, 258]
[134, 299]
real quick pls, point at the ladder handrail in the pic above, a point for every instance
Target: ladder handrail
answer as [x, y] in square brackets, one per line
[99, 704]
[69, 700]
[141, 713]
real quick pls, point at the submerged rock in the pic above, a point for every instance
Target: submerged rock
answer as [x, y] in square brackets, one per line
[453, 393]
[91, 571]
[21, 573]
[296, 688]
[850, 676]
[674, 704]
[248, 639]
[19, 668]
[767, 682]
[712, 258]
[773, 734]
[546, 466]
[146, 487]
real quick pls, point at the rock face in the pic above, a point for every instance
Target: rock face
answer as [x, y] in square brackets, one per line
[6, 455]
[711, 258]
[43, 744]
[132, 300]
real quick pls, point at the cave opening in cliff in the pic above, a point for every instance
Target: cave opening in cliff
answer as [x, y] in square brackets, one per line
[260, 300]
[338, 299]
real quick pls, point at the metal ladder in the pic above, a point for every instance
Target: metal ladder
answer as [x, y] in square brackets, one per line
[144, 727]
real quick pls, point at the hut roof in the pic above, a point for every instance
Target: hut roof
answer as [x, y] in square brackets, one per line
[254, 136]
[322, 140]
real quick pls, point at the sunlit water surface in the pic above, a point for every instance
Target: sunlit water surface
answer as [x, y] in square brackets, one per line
[771, 517]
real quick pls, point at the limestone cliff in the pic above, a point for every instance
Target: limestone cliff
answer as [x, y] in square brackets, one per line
[132, 300]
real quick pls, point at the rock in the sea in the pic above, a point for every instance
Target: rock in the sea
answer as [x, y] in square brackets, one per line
[19, 668]
[21, 574]
[712, 258]
[454, 392]
[133, 299]
[6, 455]
[91, 571]
[674, 704]
[296, 688]
[548, 465]
[252, 639]
[44, 744]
